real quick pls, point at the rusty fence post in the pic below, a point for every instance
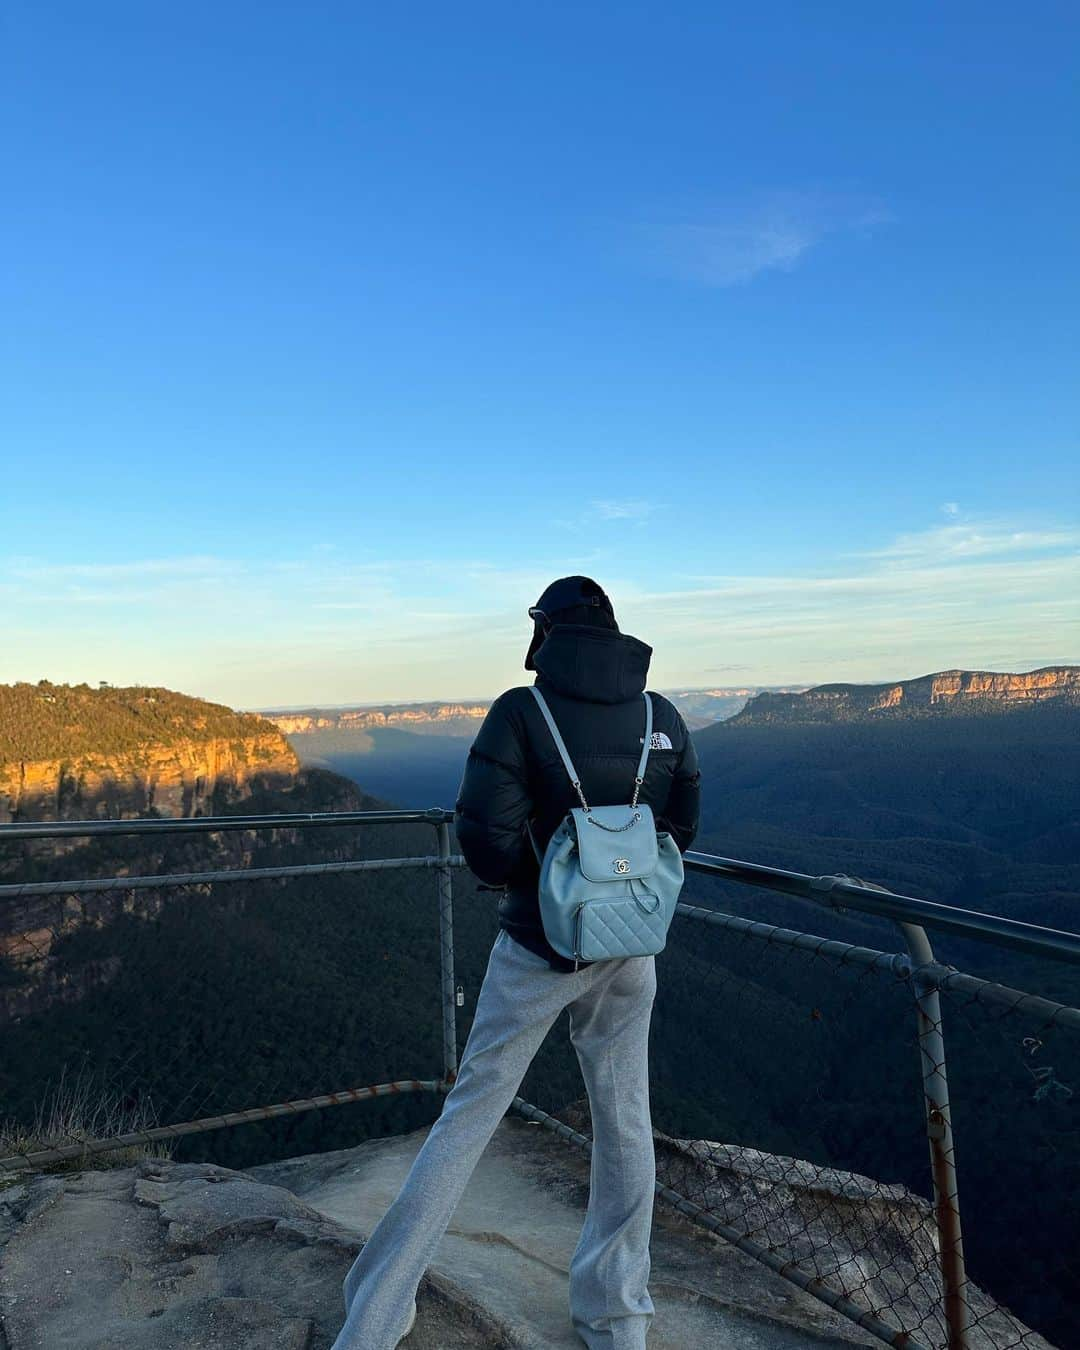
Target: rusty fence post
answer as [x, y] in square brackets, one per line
[940, 1136]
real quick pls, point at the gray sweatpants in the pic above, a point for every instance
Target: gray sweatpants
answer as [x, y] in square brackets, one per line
[610, 1010]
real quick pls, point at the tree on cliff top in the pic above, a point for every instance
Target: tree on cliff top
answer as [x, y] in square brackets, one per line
[46, 721]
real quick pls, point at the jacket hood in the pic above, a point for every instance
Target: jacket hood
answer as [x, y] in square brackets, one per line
[599, 665]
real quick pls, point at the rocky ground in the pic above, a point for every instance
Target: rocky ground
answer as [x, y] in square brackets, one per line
[193, 1256]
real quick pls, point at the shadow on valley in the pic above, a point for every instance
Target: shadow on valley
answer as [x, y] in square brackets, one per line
[411, 770]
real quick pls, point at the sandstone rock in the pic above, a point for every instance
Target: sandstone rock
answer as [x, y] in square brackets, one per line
[450, 718]
[948, 689]
[172, 1256]
[178, 779]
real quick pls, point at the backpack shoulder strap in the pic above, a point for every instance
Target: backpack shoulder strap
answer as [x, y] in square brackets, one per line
[646, 747]
[568, 763]
[648, 736]
[560, 744]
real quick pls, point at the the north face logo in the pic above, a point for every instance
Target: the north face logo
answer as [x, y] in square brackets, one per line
[660, 740]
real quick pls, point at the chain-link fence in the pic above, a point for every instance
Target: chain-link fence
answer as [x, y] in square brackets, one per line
[787, 1116]
[234, 980]
[832, 1103]
[1014, 1080]
[802, 1130]
[897, 1137]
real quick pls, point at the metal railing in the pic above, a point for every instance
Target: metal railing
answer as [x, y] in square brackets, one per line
[31, 949]
[783, 1189]
[932, 1302]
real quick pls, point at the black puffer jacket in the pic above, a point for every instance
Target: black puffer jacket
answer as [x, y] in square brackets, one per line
[592, 680]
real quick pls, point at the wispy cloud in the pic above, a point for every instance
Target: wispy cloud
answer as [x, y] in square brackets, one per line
[31, 569]
[990, 593]
[610, 509]
[986, 594]
[623, 510]
[732, 244]
[975, 539]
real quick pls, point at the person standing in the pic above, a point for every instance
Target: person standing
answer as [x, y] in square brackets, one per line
[514, 794]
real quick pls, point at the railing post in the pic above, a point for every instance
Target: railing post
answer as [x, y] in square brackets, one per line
[445, 891]
[940, 1136]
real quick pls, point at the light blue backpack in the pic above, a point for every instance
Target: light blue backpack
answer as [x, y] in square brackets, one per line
[609, 882]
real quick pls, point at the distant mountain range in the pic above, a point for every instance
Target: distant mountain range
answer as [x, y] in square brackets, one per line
[949, 691]
[441, 719]
[700, 707]
[414, 753]
[944, 692]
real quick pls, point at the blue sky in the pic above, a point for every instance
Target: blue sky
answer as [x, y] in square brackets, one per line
[333, 332]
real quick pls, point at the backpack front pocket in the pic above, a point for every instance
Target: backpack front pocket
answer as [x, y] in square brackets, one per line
[607, 929]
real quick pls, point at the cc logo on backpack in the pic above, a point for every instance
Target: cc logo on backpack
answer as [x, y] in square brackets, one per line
[622, 865]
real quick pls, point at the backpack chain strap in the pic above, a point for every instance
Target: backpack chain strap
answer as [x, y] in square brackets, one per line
[616, 829]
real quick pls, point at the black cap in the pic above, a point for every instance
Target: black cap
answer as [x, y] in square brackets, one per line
[562, 596]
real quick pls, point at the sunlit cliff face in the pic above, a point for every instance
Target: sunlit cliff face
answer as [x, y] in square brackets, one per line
[178, 779]
[1052, 682]
[188, 776]
[947, 689]
[365, 719]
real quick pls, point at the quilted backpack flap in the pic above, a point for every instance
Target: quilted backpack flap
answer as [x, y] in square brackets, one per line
[615, 842]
